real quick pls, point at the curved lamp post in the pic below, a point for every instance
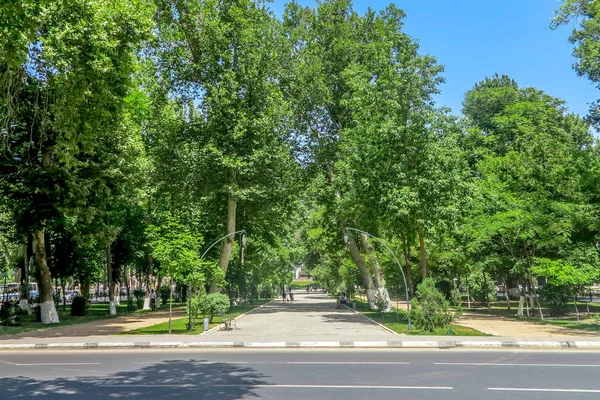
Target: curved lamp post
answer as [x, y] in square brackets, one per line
[347, 238]
[243, 232]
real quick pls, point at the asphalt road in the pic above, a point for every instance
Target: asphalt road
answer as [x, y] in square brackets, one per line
[300, 374]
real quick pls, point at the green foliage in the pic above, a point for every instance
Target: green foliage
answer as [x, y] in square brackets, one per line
[429, 309]
[139, 295]
[213, 304]
[165, 294]
[482, 289]
[79, 306]
[9, 314]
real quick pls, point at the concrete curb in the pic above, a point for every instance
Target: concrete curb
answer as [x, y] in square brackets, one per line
[408, 344]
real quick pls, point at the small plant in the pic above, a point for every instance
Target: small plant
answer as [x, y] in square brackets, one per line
[381, 303]
[9, 314]
[482, 288]
[165, 294]
[429, 309]
[213, 304]
[79, 306]
[131, 306]
[139, 295]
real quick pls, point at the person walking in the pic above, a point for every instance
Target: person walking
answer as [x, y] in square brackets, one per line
[283, 295]
[153, 300]
[291, 295]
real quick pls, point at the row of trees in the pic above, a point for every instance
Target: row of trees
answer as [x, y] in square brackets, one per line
[136, 133]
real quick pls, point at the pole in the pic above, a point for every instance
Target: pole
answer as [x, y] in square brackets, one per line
[243, 232]
[399, 266]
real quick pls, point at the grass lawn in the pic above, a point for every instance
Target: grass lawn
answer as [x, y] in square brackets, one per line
[399, 324]
[587, 326]
[301, 284]
[178, 326]
[96, 311]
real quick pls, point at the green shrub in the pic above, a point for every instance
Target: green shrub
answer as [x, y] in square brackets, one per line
[481, 289]
[9, 314]
[165, 294]
[429, 309]
[139, 295]
[381, 303]
[79, 306]
[131, 306]
[213, 304]
[555, 296]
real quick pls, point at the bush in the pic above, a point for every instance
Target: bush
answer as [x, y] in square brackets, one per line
[79, 306]
[480, 289]
[212, 304]
[556, 296]
[139, 295]
[381, 303]
[165, 294]
[429, 309]
[131, 306]
[9, 314]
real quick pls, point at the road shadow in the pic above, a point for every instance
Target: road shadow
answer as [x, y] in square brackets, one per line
[167, 379]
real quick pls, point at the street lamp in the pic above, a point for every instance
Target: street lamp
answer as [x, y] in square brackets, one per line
[243, 243]
[347, 240]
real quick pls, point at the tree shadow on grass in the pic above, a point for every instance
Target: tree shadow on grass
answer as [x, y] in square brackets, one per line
[167, 379]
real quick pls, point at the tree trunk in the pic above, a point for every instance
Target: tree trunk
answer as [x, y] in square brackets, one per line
[506, 293]
[576, 309]
[487, 295]
[423, 253]
[170, 304]
[158, 286]
[47, 307]
[536, 298]
[468, 293]
[377, 274]
[367, 280]
[227, 246]
[109, 278]
[25, 275]
[407, 270]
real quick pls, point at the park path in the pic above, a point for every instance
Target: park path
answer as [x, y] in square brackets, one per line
[311, 317]
[109, 326]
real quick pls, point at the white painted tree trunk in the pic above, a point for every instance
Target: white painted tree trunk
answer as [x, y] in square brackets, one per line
[384, 294]
[113, 307]
[521, 303]
[48, 312]
[146, 303]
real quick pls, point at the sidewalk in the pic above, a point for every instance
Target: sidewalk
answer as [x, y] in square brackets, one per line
[310, 317]
[101, 327]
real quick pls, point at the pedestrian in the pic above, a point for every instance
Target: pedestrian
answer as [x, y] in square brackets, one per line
[291, 295]
[283, 295]
[153, 300]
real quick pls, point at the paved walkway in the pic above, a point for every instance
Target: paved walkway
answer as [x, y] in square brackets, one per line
[110, 326]
[311, 317]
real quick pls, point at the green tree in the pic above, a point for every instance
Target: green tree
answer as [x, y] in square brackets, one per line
[63, 85]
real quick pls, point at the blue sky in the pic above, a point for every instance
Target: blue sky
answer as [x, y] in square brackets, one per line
[476, 38]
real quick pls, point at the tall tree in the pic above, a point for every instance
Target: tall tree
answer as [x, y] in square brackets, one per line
[64, 80]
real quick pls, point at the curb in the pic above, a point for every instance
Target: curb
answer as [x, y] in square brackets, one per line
[407, 344]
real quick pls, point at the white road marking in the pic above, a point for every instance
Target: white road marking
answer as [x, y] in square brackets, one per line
[196, 362]
[351, 362]
[516, 365]
[338, 387]
[51, 364]
[545, 390]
